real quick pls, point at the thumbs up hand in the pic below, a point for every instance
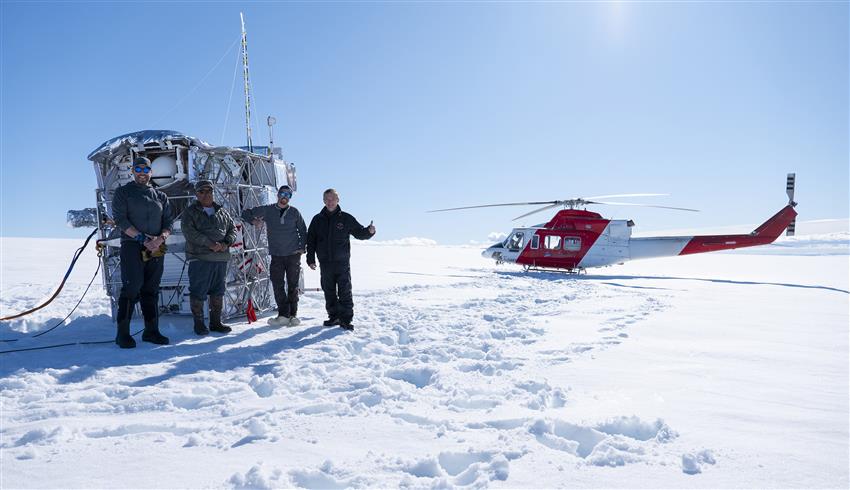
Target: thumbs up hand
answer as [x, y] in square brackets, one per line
[371, 227]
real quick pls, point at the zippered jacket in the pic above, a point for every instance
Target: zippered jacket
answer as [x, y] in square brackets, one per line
[328, 236]
[142, 207]
[202, 231]
[285, 228]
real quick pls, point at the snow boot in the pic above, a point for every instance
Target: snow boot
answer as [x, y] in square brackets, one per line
[151, 334]
[330, 322]
[198, 316]
[216, 305]
[294, 321]
[279, 321]
[346, 325]
[125, 314]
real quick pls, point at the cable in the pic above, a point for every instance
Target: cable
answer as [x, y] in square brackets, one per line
[38, 348]
[77, 255]
[229, 100]
[62, 321]
[90, 342]
[75, 306]
[182, 99]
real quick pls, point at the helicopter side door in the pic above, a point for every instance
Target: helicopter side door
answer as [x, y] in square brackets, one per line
[612, 246]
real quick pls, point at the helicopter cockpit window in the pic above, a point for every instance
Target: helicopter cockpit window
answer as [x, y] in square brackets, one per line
[552, 242]
[515, 241]
[535, 242]
[572, 244]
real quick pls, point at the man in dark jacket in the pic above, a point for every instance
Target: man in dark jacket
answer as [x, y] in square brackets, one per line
[327, 237]
[209, 232]
[144, 217]
[287, 234]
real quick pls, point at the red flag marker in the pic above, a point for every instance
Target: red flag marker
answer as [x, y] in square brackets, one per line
[250, 313]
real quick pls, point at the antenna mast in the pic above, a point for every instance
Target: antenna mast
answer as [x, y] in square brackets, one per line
[247, 83]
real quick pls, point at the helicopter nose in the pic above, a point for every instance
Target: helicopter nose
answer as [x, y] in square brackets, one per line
[489, 251]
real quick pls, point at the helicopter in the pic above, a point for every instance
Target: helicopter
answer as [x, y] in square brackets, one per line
[576, 239]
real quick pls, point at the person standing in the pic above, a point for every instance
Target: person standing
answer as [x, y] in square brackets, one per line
[287, 234]
[144, 216]
[209, 232]
[328, 238]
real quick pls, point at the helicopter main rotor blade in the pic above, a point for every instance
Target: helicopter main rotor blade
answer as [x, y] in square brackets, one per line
[544, 208]
[625, 195]
[644, 205]
[497, 205]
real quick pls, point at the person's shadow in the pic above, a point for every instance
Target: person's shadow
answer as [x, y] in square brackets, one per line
[87, 347]
[221, 361]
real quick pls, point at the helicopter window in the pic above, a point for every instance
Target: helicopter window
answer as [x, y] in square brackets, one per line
[552, 242]
[515, 241]
[535, 242]
[572, 244]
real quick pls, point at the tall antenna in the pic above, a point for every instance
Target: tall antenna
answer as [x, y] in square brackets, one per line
[247, 83]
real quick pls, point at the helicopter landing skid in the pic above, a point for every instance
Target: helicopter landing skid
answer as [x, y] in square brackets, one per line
[576, 271]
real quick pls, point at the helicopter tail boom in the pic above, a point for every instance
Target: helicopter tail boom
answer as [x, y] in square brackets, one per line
[767, 233]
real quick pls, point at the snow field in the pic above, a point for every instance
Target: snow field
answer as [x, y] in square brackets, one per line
[704, 371]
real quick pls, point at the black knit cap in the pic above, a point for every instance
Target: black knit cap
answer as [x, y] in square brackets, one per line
[142, 161]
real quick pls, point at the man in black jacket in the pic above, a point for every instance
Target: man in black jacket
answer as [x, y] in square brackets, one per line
[145, 218]
[327, 237]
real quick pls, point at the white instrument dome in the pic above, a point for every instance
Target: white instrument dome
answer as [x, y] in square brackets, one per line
[163, 169]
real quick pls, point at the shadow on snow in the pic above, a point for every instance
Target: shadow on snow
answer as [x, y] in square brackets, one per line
[201, 353]
[562, 276]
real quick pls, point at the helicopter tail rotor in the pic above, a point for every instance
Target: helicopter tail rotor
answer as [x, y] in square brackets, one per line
[789, 189]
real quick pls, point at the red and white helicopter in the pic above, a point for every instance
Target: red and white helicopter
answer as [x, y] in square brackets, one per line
[576, 239]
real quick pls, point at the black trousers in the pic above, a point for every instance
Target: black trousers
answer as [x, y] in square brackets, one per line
[288, 268]
[336, 284]
[139, 282]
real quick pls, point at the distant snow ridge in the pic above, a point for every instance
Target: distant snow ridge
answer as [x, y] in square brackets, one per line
[404, 242]
[837, 243]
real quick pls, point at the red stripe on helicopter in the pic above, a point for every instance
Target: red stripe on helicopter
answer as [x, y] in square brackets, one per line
[580, 228]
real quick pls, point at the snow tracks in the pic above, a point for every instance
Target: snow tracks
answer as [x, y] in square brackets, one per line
[439, 385]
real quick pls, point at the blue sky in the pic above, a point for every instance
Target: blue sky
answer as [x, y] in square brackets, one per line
[406, 107]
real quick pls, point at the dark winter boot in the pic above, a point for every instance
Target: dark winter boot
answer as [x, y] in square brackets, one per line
[346, 324]
[216, 305]
[330, 322]
[125, 314]
[198, 316]
[150, 310]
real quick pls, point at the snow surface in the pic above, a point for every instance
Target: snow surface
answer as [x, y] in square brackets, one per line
[715, 370]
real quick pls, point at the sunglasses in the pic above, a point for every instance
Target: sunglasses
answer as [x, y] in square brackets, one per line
[204, 191]
[140, 170]
[286, 195]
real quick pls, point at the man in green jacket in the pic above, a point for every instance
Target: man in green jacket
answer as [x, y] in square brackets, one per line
[209, 232]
